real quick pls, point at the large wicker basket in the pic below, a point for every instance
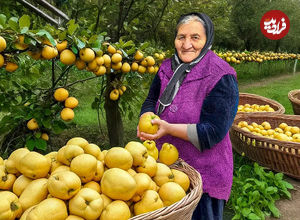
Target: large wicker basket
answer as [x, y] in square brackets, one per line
[248, 98]
[294, 97]
[280, 156]
[184, 208]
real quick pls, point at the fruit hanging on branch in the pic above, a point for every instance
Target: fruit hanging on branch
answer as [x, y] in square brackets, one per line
[117, 63]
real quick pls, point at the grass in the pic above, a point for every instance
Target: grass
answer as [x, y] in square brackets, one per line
[253, 71]
[276, 89]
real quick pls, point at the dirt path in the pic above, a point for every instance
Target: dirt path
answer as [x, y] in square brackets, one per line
[267, 81]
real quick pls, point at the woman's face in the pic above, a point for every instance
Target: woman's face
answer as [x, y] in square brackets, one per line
[190, 40]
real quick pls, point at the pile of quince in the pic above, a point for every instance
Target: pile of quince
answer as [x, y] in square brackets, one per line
[282, 132]
[80, 181]
[255, 108]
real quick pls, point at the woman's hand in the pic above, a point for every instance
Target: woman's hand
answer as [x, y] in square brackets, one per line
[138, 133]
[163, 128]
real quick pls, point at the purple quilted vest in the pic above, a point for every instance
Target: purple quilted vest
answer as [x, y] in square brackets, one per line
[216, 164]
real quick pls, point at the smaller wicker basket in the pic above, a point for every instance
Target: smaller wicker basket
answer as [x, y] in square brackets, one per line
[248, 98]
[294, 97]
[280, 156]
[184, 208]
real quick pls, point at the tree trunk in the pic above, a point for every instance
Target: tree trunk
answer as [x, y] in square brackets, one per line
[277, 44]
[247, 44]
[113, 116]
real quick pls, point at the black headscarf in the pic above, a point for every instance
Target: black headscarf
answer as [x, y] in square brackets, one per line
[180, 68]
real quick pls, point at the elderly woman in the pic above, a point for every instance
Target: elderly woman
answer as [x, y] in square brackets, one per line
[195, 93]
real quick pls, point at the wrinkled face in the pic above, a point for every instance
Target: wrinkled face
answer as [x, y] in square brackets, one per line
[189, 41]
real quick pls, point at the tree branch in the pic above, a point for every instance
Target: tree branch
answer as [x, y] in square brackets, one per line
[120, 19]
[99, 103]
[98, 14]
[53, 73]
[161, 15]
[128, 9]
[61, 75]
[140, 12]
[124, 16]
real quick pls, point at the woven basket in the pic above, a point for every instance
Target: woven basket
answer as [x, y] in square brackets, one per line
[280, 156]
[247, 98]
[184, 208]
[294, 97]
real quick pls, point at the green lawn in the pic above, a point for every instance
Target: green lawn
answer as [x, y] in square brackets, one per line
[275, 88]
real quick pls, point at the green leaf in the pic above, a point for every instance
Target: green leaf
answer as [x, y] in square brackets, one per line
[79, 43]
[74, 49]
[246, 186]
[2, 20]
[124, 53]
[35, 69]
[13, 23]
[135, 21]
[144, 46]
[30, 144]
[252, 216]
[287, 185]
[4, 129]
[62, 35]
[72, 27]
[121, 42]
[48, 35]
[271, 189]
[58, 126]
[38, 134]
[270, 175]
[46, 123]
[93, 39]
[236, 217]
[278, 176]
[246, 211]
[97, 43]
[24, 30]
[274, 210]
[286, 193]
[255, 194]
[131, 51]
[129, 44]
[24, 21]
[41, 144]
[18, 99]
[31, 41]
[47, 112]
